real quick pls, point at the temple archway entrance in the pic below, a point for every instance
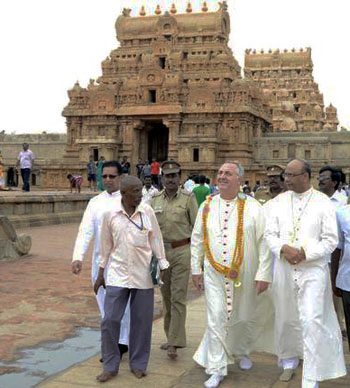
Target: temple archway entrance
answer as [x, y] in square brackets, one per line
[154, 138]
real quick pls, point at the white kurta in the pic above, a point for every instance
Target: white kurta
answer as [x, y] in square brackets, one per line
[236, 316]
[306, 324]
[90, 229]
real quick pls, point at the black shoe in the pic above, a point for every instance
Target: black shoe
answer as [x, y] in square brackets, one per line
[122, 349]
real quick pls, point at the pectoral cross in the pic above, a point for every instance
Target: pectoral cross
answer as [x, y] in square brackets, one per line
[292, 237]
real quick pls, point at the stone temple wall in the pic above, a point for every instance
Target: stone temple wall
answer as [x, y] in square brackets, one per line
[48, 149]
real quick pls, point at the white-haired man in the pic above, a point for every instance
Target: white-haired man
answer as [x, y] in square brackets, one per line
[227, 243]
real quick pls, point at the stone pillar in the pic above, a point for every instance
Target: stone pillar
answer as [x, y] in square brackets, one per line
[130, 141]
[174, 128]
[69, 131]
[109, 153]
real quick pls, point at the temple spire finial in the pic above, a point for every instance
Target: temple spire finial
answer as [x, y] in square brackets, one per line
[158, 11]
[204, 6]
[173, 9]
[142, 11]
[189, 7]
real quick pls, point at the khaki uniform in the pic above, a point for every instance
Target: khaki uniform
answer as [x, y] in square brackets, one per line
[176, 218]
[263, 195]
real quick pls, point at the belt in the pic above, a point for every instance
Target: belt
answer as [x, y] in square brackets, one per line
[177, 244]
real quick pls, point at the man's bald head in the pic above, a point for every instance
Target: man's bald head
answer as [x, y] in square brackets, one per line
[297, 175]
[128, 181]
[131, 192]
[302, 164]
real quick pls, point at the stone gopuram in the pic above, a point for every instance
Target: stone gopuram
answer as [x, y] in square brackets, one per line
[295, 101]
[173, 90]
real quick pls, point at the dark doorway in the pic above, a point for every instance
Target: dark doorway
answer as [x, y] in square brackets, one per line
[158, 137]
[11, 177]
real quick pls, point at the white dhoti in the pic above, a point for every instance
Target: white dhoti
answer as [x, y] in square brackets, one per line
[89, 229]
[100, 298]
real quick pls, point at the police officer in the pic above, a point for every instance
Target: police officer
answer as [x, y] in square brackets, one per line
[176, 211]
[275, 184]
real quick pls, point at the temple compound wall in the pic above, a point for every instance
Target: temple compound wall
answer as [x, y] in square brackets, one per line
[173, 90]
[48, 149]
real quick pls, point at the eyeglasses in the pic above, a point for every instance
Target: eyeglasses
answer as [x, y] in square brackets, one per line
[288, 175]
[110, 176]
[323, 178]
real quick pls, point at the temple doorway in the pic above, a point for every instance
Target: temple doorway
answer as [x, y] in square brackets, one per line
[154, 138]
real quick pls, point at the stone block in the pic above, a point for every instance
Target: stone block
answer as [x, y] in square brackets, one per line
[12, 246]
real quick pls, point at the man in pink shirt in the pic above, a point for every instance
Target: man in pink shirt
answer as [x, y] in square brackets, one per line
[128, 237]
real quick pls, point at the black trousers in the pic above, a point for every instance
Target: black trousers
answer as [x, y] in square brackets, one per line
[25, 173]
[346, 303]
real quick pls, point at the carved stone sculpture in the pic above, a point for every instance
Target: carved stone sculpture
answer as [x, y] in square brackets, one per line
[12, 246]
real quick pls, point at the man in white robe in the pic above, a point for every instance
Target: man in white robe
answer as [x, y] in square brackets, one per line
[301, 232]
[236, 315]
[90, 229]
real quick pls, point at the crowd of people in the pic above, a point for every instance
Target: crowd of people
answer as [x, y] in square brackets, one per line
[273, 262]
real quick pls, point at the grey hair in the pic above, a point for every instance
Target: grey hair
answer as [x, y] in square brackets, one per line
[239, 166]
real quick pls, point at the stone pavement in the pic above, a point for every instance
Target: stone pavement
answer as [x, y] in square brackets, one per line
[183, 372]
[42, 301]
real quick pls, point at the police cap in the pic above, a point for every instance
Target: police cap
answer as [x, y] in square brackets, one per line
[170, 167]
[274, 170]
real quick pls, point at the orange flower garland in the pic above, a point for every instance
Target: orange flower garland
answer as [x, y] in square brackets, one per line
[233, 271]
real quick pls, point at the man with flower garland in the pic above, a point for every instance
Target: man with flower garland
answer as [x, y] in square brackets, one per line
[227, 242]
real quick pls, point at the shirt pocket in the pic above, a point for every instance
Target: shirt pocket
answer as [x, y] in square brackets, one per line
[141, 238]
[179, 214]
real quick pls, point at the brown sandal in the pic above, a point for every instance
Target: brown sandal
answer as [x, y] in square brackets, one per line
[105, 376]
[138, 373]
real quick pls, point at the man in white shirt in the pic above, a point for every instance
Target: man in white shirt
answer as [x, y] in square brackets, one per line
[301, 234]
[341, 267]
[189, 184]
[230, 263]
[329, 180]
[129, 236]
[25, 162]
[90, 229]
[148, 190]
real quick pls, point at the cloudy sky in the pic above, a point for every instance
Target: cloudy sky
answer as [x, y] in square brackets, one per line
[47, 45]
